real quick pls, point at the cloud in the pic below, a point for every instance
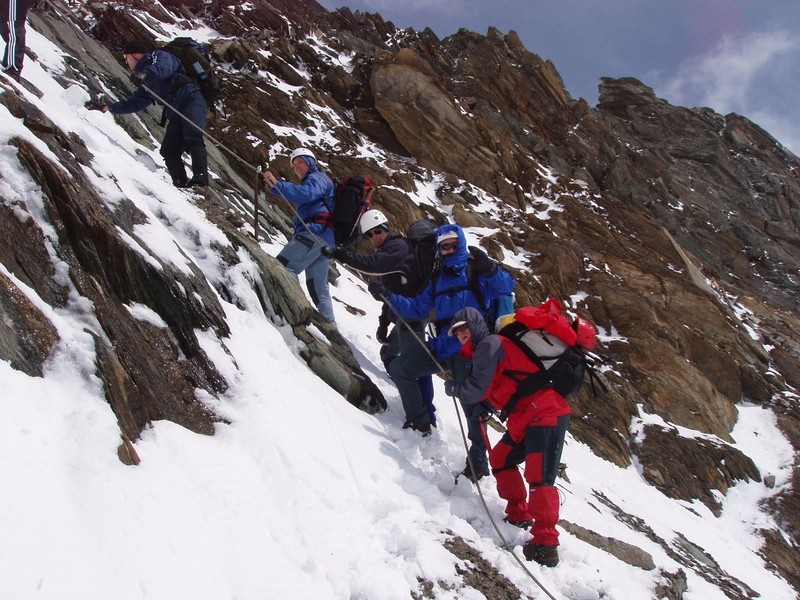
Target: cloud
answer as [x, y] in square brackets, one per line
[755, 76]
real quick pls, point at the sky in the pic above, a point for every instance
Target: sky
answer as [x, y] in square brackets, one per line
[298, 494]
[739, 56]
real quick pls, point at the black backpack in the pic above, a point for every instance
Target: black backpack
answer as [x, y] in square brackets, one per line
[422, 237]
[197, 62]
[353, 198]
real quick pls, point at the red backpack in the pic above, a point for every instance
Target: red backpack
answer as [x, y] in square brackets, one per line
[555, 345]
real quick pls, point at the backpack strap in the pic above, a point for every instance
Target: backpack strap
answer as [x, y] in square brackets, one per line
[589, 363]
[475, 285]
[527, 382]
[322, 218]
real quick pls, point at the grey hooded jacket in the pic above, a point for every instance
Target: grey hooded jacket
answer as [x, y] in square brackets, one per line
[487, 352]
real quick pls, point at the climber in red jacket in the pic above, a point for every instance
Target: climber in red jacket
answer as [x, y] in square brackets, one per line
[536, 426]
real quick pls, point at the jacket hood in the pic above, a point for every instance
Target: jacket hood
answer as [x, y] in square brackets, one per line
[475, 322]
[458, 260]
[312, 164]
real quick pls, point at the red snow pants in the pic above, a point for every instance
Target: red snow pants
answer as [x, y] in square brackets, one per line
[540, 449]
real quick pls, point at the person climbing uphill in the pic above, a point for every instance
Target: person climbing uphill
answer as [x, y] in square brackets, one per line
[448, 291]
[536, 427]
[314, 205]
[393, 263]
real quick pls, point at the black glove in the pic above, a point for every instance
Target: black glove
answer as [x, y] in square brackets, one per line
[450, 387]
[483, 410]
[96, 105]
[382, 333]
[378, 290]
[137, 77]
[481, 261]
[328, 251]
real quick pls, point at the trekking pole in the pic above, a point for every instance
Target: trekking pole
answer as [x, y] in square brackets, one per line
[256, 190]
[484, 433]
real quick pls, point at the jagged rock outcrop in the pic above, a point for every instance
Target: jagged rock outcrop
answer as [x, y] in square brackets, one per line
[687, 167]
[425, 119]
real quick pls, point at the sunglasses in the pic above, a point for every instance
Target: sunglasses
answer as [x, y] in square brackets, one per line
[373, 232]
[448, 246]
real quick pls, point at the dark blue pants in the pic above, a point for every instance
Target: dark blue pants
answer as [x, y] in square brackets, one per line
[181, 137]
[460, 369]
[475, 434]
[12, 29]
[399, 337]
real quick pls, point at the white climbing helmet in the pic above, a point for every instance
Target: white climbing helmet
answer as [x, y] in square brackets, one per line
[372, 219]
[301, 152]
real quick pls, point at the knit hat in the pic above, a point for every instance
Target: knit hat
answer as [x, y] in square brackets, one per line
[135, 47]
[447, 235]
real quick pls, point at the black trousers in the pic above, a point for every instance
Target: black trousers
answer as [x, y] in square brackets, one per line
[12, 29]
[180, 137]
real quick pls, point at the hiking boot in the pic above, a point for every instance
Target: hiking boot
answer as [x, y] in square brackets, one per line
[524, 524]
[478, 474]
[546, 556]
[423, 427]
[12, 73]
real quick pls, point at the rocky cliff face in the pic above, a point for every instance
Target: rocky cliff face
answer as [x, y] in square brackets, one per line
[680, 225]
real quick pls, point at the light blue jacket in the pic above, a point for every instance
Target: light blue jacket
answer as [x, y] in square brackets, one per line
[313, 200]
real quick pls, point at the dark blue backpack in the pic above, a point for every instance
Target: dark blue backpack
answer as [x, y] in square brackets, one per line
[196, 62]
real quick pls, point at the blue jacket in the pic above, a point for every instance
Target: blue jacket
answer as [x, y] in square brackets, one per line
[452, 293]
[313, 200]
[163, 73]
